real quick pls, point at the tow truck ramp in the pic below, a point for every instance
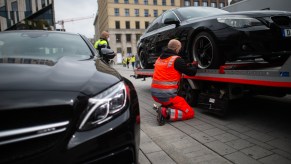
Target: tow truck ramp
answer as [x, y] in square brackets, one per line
[212, 89]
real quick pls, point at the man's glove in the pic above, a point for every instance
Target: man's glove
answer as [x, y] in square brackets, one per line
[193, 64]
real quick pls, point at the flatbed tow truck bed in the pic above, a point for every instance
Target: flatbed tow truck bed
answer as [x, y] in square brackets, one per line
[212, 89]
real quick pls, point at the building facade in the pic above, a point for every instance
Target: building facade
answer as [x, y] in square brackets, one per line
[126, 20]
[246, 5]
[209, 3]
[26, 14]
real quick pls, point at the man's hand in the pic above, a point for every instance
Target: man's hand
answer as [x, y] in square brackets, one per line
[193, 64]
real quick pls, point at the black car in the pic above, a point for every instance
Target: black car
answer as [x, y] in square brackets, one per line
[213, 36]
[59, 103]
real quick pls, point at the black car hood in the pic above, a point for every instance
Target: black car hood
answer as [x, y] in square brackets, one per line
[65, 74]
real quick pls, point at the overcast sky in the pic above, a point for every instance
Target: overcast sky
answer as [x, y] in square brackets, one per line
[67, 9]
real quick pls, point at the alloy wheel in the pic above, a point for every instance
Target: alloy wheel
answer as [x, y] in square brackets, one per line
[203, 51]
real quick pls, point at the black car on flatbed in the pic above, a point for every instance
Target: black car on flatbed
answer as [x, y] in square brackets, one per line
[213, 36]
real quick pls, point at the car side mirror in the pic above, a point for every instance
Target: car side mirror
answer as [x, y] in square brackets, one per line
[107, 53]
[172, 21]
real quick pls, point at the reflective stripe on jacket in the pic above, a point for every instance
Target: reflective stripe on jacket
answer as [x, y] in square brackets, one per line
[132, 59]
[100, 42]
[165, 79]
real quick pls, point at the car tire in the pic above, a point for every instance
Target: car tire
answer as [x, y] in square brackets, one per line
[143, 60]
[205, 52]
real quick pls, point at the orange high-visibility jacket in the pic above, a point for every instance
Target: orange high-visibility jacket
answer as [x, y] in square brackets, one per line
[165, 78]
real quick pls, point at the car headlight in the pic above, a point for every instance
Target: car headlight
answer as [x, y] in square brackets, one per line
[239, 22]
[104, 106]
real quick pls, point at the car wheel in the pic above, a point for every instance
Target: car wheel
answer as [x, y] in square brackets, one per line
[205, 51]
[143, 60]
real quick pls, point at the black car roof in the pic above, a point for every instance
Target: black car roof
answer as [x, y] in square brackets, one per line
[44, 31]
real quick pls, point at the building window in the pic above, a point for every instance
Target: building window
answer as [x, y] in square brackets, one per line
[156, 13]
[119, 50]
[116, 12]
[213, 4]
[14, 6]
[155, 2]
[36, 5]
[128, 37]
[126, 2]
[135, 1]
[118, 38]
[117, 24]
[146, 24]
[204, 4]
[172, 2]
[196, 3]
[127, 24]
[42, 3]
[136, 12]
[128, 49]
[186, 3]
[146, 12]
[14, 14]
[146, 2]
[116, 1]
[126, 12]
[164, 3]
[138, 36]
[221, 5]
[137, 26]
[28, 6]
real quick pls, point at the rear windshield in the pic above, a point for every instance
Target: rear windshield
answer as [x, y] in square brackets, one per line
[197, 12]
[42, 45]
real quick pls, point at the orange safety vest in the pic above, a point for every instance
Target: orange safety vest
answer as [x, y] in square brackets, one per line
[165, 79]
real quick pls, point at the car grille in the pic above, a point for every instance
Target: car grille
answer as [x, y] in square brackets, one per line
[281, 20]
[29, 132]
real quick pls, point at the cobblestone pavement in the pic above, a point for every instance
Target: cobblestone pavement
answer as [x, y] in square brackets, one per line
[257, 130]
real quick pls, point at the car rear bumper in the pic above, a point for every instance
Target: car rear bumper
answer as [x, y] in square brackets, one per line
[241, 43]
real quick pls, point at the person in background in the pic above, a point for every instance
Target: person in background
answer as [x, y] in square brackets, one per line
[137, 61]
[132, 60]
[127, 61]
[103, 42]
[168, 71]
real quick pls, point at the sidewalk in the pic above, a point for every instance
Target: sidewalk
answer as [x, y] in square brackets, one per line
[248, 136]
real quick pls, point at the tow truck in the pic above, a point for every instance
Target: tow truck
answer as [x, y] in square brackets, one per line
[213, 89]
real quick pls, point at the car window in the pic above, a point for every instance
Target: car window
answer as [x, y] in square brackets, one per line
[196, 12]
[154, 25]
[168, 15]
[42, 44]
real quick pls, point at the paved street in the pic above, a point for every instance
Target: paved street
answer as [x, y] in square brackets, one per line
[257, 130]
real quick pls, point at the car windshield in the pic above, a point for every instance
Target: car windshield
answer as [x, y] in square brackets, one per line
[42, 45]
[196, 12]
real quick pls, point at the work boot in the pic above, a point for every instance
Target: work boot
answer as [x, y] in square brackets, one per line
[160, 118]
[155, 107]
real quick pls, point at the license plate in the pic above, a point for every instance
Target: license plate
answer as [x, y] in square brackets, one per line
[286, 32]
